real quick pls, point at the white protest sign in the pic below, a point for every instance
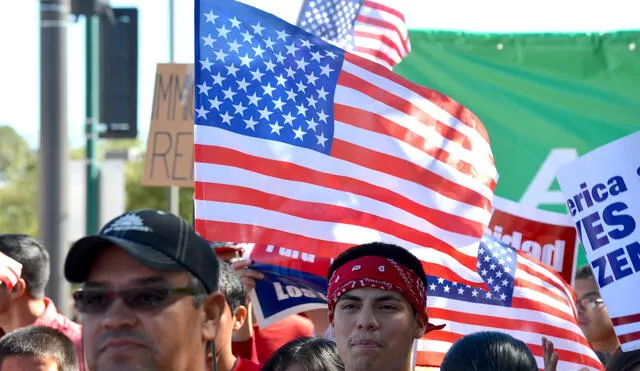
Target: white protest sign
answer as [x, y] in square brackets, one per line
[602, 191]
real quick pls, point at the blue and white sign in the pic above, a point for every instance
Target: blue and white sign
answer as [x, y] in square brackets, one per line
[294, 282]
[602, 191]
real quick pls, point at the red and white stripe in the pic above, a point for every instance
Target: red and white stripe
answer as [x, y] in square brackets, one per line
[407, 165]
[628, 330]
[10, 271]
[380, 33]
[543, 305]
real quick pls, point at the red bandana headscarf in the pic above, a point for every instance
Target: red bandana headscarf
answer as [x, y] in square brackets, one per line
[380, 273]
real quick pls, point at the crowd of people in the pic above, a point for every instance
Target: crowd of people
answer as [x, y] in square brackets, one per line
[156, 296]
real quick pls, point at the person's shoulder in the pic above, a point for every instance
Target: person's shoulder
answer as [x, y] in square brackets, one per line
[246, 365]
[299, 323]
[72, 329]
[54, 319]
[299, 320]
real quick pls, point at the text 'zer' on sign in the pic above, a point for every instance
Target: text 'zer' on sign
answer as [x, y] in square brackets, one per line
[169, 158]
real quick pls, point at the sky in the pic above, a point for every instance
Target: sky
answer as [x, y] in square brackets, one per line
[20, 40]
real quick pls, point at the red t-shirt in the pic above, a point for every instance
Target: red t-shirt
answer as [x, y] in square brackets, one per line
[268, 340]
[245, 365]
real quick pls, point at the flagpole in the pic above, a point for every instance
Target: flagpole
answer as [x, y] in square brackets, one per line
[174, 192]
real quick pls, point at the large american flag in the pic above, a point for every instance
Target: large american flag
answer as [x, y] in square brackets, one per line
[298, 143]
[524, 298]
[373, 29]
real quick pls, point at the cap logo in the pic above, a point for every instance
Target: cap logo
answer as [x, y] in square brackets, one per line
[127, 222]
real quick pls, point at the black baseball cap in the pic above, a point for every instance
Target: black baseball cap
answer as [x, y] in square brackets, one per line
[157, 239]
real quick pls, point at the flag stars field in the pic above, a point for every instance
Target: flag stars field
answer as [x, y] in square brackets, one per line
[280, 95]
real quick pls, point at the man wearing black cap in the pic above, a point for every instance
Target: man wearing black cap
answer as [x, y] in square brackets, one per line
[149, 299]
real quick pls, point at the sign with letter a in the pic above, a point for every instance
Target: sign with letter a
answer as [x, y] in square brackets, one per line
[602, 192]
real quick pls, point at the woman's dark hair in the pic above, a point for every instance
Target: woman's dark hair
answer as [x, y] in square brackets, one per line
[624, 361]
[314, 354]
[489, 351]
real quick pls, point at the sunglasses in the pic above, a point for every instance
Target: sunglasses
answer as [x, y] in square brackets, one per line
[142, 299]
[591, 302]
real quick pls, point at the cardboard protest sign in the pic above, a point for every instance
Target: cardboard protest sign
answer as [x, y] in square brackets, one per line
[169, 159]
[294, 282]
[602, 191]
[546, 236]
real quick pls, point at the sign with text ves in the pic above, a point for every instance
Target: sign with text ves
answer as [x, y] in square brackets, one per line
[602, 192]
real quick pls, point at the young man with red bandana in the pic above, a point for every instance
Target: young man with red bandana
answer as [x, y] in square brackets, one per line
[377, 306]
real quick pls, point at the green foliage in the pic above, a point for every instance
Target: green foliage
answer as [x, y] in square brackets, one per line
[18, 188]
[139, 197]
[19, 183]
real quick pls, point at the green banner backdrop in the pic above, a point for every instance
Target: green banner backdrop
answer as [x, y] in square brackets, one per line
[544, 98]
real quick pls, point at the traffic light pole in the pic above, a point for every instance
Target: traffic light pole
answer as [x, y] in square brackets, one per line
[91, 122]
[54, 146]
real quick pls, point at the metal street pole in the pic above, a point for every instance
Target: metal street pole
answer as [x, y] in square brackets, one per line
[91, 122]
[174, 192]
[54, 146]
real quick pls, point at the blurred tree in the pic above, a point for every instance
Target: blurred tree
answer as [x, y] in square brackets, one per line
[137, 196]
[18, 184]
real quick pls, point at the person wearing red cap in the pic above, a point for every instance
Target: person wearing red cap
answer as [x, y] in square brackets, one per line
[377, 306]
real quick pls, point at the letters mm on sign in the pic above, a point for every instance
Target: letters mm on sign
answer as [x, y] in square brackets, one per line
[169, 156]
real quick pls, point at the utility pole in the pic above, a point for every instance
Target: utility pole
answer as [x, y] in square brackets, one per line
[174, 192]
[91, 122]
[54, 146]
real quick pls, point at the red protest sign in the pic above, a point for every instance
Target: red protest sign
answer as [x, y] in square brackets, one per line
[547, 236]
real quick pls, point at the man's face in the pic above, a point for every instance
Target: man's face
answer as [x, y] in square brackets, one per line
[122, 338]
[5, 299]
[374, 329]
[225, 331]
[594, 322]
[31, 363]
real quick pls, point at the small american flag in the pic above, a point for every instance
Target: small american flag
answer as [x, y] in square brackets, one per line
[373, 29]
[524, 299]
[301, 144]
[10, 271]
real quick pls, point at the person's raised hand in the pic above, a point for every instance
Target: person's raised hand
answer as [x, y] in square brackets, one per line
[247, 276]
[550, 355]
